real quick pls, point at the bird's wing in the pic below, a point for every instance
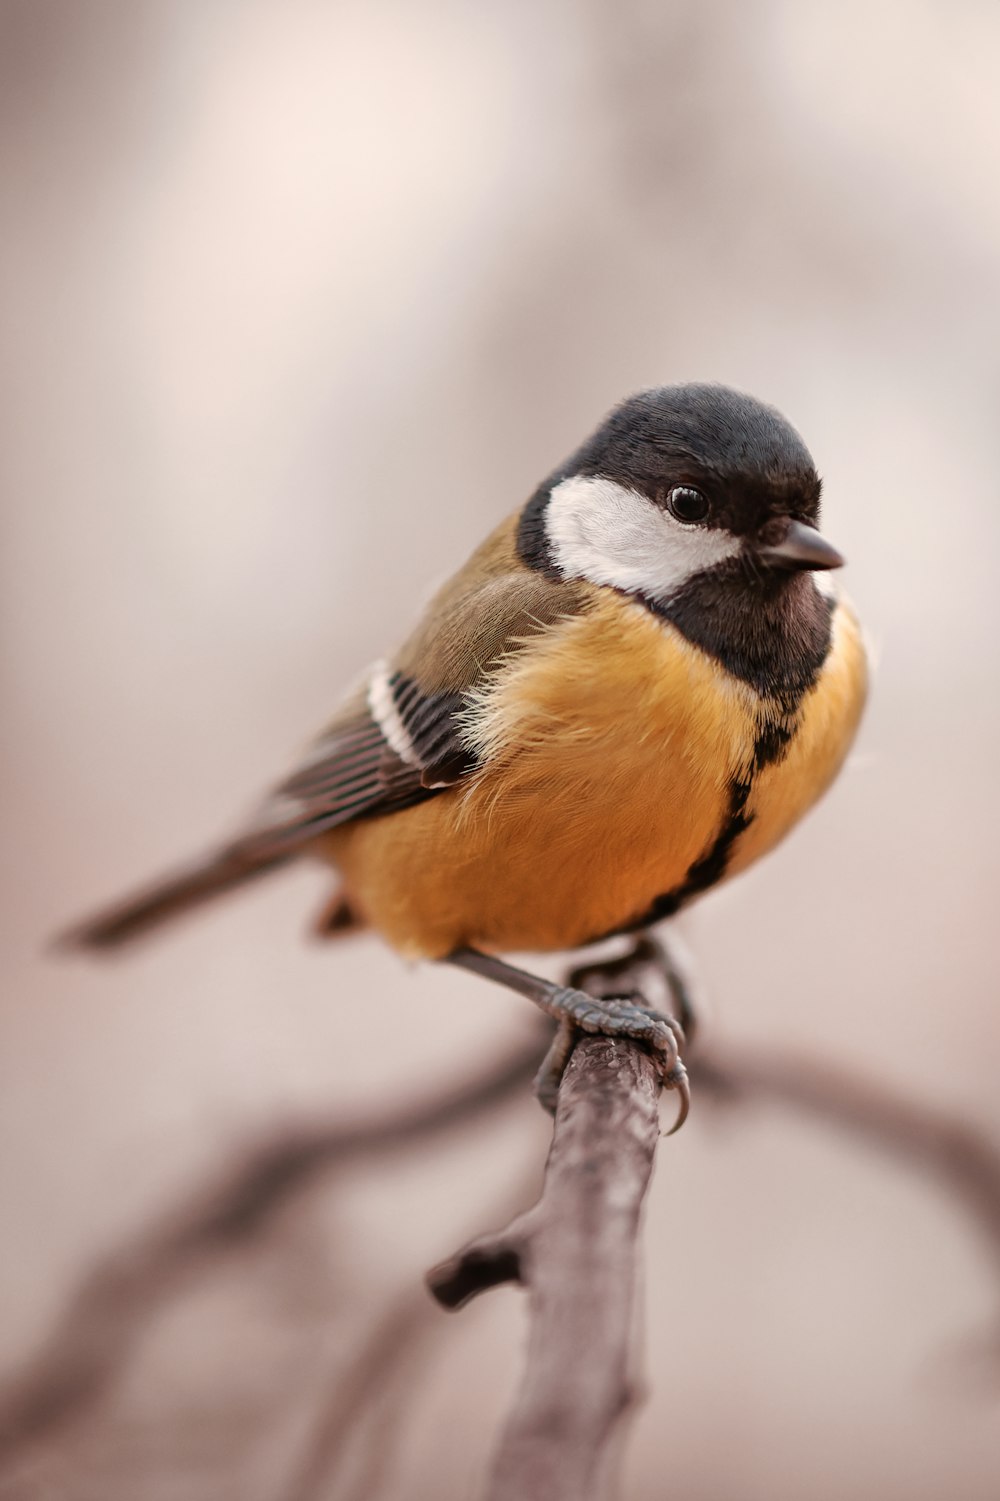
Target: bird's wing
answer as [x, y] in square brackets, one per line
[398, 741]
[402, 738]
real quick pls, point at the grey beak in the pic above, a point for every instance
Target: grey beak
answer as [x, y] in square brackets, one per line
[800, 547]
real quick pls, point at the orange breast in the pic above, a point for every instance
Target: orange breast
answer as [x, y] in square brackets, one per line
[610, 746]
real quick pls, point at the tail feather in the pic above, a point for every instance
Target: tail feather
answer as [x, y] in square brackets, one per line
[176, 894]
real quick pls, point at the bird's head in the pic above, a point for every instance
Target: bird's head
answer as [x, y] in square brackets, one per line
[679, 483]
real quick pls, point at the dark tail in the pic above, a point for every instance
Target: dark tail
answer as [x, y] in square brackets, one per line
[167, 899]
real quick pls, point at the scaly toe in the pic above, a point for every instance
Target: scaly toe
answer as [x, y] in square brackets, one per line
[625, 1016]
[645, 1024]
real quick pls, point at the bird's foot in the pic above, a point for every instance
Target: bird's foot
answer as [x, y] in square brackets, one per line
[609, 1015]
[654, 966]
[625, 1016]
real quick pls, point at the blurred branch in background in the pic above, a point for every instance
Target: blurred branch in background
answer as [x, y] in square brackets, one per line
[962, 1159]
[104, 1320]
[574, 1250]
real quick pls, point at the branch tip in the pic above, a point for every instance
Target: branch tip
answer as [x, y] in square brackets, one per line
[480, 1265]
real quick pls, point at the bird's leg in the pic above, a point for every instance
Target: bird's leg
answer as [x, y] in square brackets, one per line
[610, 1016]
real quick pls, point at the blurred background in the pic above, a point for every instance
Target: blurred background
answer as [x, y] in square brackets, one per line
[298, 300]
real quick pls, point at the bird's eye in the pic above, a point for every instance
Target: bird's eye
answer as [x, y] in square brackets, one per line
[687, 504]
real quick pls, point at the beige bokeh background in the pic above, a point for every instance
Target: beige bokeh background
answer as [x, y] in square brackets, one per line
[298, 299]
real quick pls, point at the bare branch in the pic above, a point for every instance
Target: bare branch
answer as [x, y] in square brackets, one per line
[581, 1234]
[576, 1249]
[576, 1253]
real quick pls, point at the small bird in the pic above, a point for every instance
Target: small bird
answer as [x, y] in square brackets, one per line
[633, 689]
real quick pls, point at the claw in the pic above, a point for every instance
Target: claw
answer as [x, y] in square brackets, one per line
[680, 1036]
[678, 1079]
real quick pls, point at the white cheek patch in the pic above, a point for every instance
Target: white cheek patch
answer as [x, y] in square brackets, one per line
[601, 531]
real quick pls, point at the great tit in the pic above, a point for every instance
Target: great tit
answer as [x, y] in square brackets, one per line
[633, 688]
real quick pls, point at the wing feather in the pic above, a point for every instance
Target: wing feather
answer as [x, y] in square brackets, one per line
[403, 738]
[399, 742]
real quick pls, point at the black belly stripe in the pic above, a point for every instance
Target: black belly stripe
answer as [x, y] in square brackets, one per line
[712, 865]
[774, 735]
